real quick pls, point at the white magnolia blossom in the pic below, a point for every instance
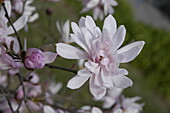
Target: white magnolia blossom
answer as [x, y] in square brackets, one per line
[101, 50]
[28, 10]
[129, 105]
[18, 24]
[100, 8]
[64, 31]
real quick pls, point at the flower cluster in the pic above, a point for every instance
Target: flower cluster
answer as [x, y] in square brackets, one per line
[99, 54]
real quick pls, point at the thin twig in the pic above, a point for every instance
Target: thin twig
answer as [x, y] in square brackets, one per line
[61, 68]
[24, 91]
[9, 103]
[16, 33]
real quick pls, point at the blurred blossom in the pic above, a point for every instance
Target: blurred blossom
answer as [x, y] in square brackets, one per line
[23, 7]
[18, 24]
[33, 78]
[7, 62]
[36, 59]
[129, 105]
[111, 97]
[101, 50]
[54, 88]
[64, 31]
[100, 8]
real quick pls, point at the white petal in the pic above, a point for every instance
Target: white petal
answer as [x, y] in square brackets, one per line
[66, 29]
[77, 81]
[49, 57]
[96, 110]
[131, 51]
[70, 52]
[8, 7]
[121, 81]
[19, 24]
[80, 41]
[110, 25]
[89, 23]
[97, 92]
[82, 22]
[84, 72]
[76, 29]
[88, 37]
[119, 37]
[48, 109]
[34, 17]
[92, 3]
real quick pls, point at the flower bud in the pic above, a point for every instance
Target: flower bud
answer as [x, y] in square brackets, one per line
[34, 59]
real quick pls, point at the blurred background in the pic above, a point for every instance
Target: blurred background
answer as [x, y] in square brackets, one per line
[147, 20]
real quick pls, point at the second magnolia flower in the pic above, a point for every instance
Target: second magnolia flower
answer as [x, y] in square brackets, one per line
[102, 55]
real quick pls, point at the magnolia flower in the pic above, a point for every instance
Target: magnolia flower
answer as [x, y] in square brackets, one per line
[64, 31]
[19, 24]
[37, 59]
[101, 50]
[100, 7]
[17, 6]
[129, 105]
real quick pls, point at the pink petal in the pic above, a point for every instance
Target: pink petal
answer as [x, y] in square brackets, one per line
[49, 57]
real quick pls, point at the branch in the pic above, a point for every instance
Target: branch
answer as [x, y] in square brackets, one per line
[23, 88]
[61, 68]
[16, 33]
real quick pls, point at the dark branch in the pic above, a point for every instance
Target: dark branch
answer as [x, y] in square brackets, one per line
[61, 68]
[16, 33]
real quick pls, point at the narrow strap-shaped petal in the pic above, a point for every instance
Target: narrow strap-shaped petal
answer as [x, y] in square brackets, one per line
[131, 51]
[19, 24]
[119, 37]
[110, 25]
[90, 24]
[70, 52]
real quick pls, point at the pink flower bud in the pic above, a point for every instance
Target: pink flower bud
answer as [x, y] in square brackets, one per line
[34, 58]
